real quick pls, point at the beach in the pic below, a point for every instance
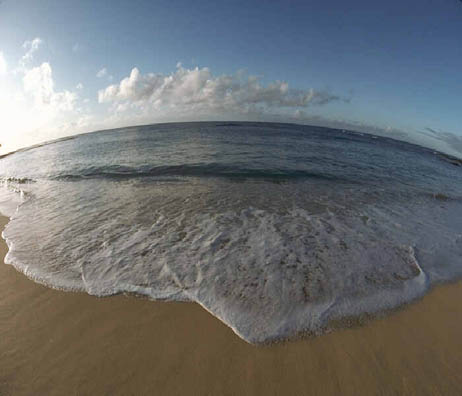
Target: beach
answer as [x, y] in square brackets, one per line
[55, 343]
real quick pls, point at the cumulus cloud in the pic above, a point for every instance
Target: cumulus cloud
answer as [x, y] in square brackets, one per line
[32, 108]
[3, 64]
[39, 83]
[198, 90]
[101, 73]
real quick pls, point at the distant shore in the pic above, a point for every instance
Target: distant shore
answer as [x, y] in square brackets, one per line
[57, 343]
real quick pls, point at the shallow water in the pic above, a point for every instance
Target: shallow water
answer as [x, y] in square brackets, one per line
[273, 228]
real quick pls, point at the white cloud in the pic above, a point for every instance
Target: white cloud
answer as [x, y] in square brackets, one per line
[448, 142]
[101, 73]
[32, 109]
[31, 46]
[3, 64]
[199, 91]
[104, 73]
[38, 82]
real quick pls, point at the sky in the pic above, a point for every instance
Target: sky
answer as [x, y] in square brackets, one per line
[392, 68]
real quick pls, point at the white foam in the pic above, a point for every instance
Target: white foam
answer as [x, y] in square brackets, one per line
[11, 196]
[266, 272]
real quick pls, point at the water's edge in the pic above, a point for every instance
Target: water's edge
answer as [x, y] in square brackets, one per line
[336, 324]
[275, 230]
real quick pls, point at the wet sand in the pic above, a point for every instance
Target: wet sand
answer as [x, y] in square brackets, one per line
[58, 343]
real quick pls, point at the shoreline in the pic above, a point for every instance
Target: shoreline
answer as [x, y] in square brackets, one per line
[55, 342]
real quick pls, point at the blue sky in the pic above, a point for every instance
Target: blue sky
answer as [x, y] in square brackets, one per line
[388, 67]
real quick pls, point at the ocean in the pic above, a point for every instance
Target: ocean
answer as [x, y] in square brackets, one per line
[275, 229]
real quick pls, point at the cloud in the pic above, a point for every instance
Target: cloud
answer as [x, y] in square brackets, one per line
[198, 90]
[101, 73]
[32, 109]
[31, 46]
[448, 142]
[104, 73]
[3, 64]
[38, 82]
[445, 142]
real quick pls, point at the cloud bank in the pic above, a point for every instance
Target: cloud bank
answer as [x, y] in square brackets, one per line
[198, 90]
[450, 143]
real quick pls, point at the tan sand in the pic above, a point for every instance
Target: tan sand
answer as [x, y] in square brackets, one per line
[57, 343]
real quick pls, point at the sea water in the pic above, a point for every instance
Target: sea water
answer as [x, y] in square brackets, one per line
[275, 229]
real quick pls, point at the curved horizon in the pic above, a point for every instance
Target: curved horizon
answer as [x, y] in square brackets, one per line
[94, 66]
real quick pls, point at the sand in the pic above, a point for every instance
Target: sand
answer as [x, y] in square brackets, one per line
[58, 343]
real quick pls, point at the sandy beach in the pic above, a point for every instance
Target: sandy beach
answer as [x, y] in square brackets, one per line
[58, 343]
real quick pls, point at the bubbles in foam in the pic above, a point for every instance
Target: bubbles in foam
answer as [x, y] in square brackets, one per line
[267, 272]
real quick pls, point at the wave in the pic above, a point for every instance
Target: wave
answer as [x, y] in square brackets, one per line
[267, 273]
[273, 236]
[267, 276]
[208, 170]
